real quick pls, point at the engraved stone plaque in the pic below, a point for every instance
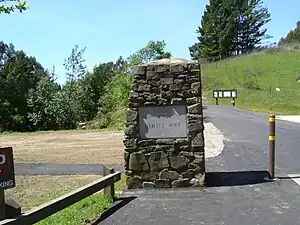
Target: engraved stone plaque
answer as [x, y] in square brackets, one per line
[163, 122]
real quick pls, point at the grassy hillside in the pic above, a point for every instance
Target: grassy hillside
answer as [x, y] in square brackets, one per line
[256, 78]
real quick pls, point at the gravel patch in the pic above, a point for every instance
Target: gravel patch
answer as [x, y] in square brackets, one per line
[213, 141]
[292, 118]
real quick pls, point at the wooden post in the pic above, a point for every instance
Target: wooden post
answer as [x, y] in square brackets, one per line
[106, 191]
[233, 102]
[217, 101]
[2, 205]
[111, 189]
[272, 138]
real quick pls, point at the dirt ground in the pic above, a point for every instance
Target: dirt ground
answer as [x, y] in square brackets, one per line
[71, 147]
[82, 147]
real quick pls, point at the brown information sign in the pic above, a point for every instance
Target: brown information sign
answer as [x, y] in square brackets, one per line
[7, 172]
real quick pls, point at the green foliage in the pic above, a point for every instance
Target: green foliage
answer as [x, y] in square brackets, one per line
[9, 6]
[114, 102]
[81, 212]
[41, 109]
[292, 37]
[152, 51]
[30, 100]
[86, 210]
[18, 75]
[256, 77]
[74, 66]
[230, 27]
[72, 92]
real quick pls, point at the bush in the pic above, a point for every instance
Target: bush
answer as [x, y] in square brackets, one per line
[272, 51]
[251, 85]
[114, 102]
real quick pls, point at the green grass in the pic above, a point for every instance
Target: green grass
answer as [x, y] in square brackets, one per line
[256, 77]
[121, 184]
[84, 211]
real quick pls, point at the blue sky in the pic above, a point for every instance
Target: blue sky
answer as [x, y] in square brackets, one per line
[110, 28]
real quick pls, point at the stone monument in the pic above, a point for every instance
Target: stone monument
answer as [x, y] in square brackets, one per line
[164, 142]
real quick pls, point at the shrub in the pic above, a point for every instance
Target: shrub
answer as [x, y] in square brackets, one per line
[114, 102]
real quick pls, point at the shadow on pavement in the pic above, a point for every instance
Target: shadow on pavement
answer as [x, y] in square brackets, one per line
[238, 178]
[283, 177]
[117, 204]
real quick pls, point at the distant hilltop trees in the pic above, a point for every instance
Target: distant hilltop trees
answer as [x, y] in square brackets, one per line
[292, 37]
[229, 28]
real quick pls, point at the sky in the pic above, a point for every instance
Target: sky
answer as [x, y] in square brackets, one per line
[112, 28]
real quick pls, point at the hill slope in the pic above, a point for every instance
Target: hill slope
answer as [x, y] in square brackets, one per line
[256, 78]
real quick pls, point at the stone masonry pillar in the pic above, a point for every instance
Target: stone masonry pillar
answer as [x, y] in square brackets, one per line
[164, 141]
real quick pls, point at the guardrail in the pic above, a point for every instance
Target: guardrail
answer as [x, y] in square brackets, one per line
[41, 212]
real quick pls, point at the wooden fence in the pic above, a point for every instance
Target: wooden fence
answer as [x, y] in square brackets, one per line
[41, 212]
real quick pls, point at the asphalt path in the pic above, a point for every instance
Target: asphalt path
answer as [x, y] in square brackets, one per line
[239, 192]
[246, 147]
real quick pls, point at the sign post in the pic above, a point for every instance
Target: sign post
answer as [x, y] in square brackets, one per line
[225, 94]
[2, 205]
[7, 176]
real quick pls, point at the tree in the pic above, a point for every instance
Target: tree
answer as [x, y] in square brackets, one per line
[18, 75]
[42, 112]
[208, 46]
[102, 75]
[9, 6]
[230, 27]
[74, 64]
[154, 50]
[115, 99]
[195, 52]
[292, 37]
[75, 70]
[30, 98]
[252, 16]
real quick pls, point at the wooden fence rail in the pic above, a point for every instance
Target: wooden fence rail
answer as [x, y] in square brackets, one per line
[41, 212]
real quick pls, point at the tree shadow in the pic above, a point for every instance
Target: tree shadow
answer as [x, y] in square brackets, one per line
[236, 178]
[116, 205]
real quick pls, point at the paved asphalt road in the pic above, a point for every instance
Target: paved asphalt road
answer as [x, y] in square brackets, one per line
[247, 147]
[242, 195]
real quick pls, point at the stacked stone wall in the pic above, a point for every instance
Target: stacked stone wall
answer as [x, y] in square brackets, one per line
[164, 142]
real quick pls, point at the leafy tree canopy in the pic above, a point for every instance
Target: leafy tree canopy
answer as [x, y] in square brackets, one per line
[230, 27]
[152, 51]
[9, 6]
[292, 37]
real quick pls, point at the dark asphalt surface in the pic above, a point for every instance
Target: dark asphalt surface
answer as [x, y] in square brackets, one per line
[247, 147]
[242, 197]
[61, 169]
